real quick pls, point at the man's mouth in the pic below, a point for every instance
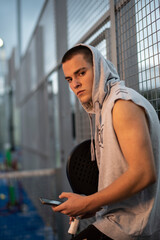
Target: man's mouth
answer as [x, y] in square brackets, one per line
[80, 92]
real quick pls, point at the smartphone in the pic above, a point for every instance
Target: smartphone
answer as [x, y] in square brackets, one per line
[50, 202]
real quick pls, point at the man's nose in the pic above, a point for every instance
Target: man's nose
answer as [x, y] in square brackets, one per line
[76, 83]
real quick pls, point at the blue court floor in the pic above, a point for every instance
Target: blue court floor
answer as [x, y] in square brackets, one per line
[21, 224]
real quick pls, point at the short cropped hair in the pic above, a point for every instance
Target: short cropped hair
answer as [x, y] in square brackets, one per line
[80, 49]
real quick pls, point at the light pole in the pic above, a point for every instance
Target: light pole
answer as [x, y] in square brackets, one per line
[2, 93]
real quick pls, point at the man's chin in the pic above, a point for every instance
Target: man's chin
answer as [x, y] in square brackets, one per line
[85, 100]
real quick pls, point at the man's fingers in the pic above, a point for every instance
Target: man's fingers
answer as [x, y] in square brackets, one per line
[59, 208]
[65, 195]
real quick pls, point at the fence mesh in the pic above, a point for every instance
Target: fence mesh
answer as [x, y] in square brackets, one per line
[137, 24]
[138, 42]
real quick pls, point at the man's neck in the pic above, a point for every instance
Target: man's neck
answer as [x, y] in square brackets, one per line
[88, 105]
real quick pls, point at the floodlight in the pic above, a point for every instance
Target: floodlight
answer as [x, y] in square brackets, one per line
[1, 42]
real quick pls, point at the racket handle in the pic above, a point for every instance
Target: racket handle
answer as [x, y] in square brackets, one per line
[73, 226]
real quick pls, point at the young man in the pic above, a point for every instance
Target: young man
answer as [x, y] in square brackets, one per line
[127, 143]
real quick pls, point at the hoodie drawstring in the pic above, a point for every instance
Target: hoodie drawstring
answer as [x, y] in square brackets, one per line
[93, 155]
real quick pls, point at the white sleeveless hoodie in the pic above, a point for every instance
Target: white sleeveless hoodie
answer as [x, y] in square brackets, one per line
[137, 217]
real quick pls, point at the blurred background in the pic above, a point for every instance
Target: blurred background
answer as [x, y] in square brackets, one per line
[40, 119]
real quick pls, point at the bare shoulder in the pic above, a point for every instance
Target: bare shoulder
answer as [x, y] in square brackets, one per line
[127, 112]
[127, 107]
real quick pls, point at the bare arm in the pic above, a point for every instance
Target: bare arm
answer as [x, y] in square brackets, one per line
[132, 132]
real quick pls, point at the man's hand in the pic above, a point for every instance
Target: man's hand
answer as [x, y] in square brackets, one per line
[76, 205]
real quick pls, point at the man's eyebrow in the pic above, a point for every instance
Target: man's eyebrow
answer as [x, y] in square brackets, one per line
[76, 72]
[67, 77]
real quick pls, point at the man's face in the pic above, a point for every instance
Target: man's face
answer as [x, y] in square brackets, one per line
[79, 74]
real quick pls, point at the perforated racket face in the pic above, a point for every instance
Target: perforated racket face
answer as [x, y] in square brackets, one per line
[81, 171]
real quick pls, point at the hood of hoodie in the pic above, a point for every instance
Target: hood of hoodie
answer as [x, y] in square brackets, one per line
[105, 76]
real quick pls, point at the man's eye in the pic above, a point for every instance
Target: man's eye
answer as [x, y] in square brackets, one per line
[69, 80]
[82, 73]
